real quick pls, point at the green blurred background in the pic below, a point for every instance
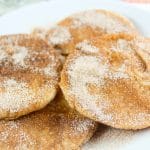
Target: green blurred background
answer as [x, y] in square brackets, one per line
[9, 5]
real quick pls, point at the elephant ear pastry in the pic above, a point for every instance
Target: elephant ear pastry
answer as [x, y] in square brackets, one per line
[54, 127]
[112, 84]
[29, 75]
[85, 25]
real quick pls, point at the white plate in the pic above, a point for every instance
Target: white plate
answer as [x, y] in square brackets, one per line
[46, 13]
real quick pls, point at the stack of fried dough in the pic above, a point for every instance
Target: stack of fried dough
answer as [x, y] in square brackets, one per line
[58, 84]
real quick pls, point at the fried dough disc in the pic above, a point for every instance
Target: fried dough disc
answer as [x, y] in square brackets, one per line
[56, 127]
[109, 81]
[29, 74]
[85, 25]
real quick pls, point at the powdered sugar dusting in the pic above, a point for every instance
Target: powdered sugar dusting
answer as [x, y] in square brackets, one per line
[19, 55]
[29, 76]
[119, 73]
[82, 73]
[85, 46]
[40, 32]
[24, 141]
[49, 70]
[46, 126]
[60, 35]
[3, 54]
[16, 95]
[140, 117]
[81, 125]
[142, 43]
[102, 20]
[14, 130]
[122, 46]
[3, 136]
[92, 70]
[16, 54]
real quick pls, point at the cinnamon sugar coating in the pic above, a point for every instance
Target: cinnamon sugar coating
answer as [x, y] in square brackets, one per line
[85, 25]
[55, 127]
[29, 75]
[111, 86]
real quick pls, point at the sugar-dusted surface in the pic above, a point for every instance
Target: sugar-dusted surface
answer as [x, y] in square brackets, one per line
[111, 87]
[18, 54]
[83, 26]
[29, 74]
[40, 32]
[85, 46]
[17, 95]
[142, 23]
[23, 53]
[56, 127]
[82, 73]
[59, 35]
[122, 46]
[91, 70]
[107, 21]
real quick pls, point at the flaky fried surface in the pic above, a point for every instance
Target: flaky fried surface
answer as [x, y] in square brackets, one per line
[109, 80]
[85, 25]
[56, 127]
[29, 75]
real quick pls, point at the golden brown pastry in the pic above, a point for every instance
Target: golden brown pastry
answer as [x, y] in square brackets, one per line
[109, 80]
[85, 25]
[29, 75]
[56, 127]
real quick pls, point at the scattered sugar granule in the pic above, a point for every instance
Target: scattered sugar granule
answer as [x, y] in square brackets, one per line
[86, 70]
[122, 46]
[142, 43]
[80, 125]
[40, 32]
[3, 53]
[14, 54]
[13, 129]
[102, 20]
[16, 95]
[59, 35]
[85, 46]
[120, 73]
[92, 70]
[48, 71]
[20, 53]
